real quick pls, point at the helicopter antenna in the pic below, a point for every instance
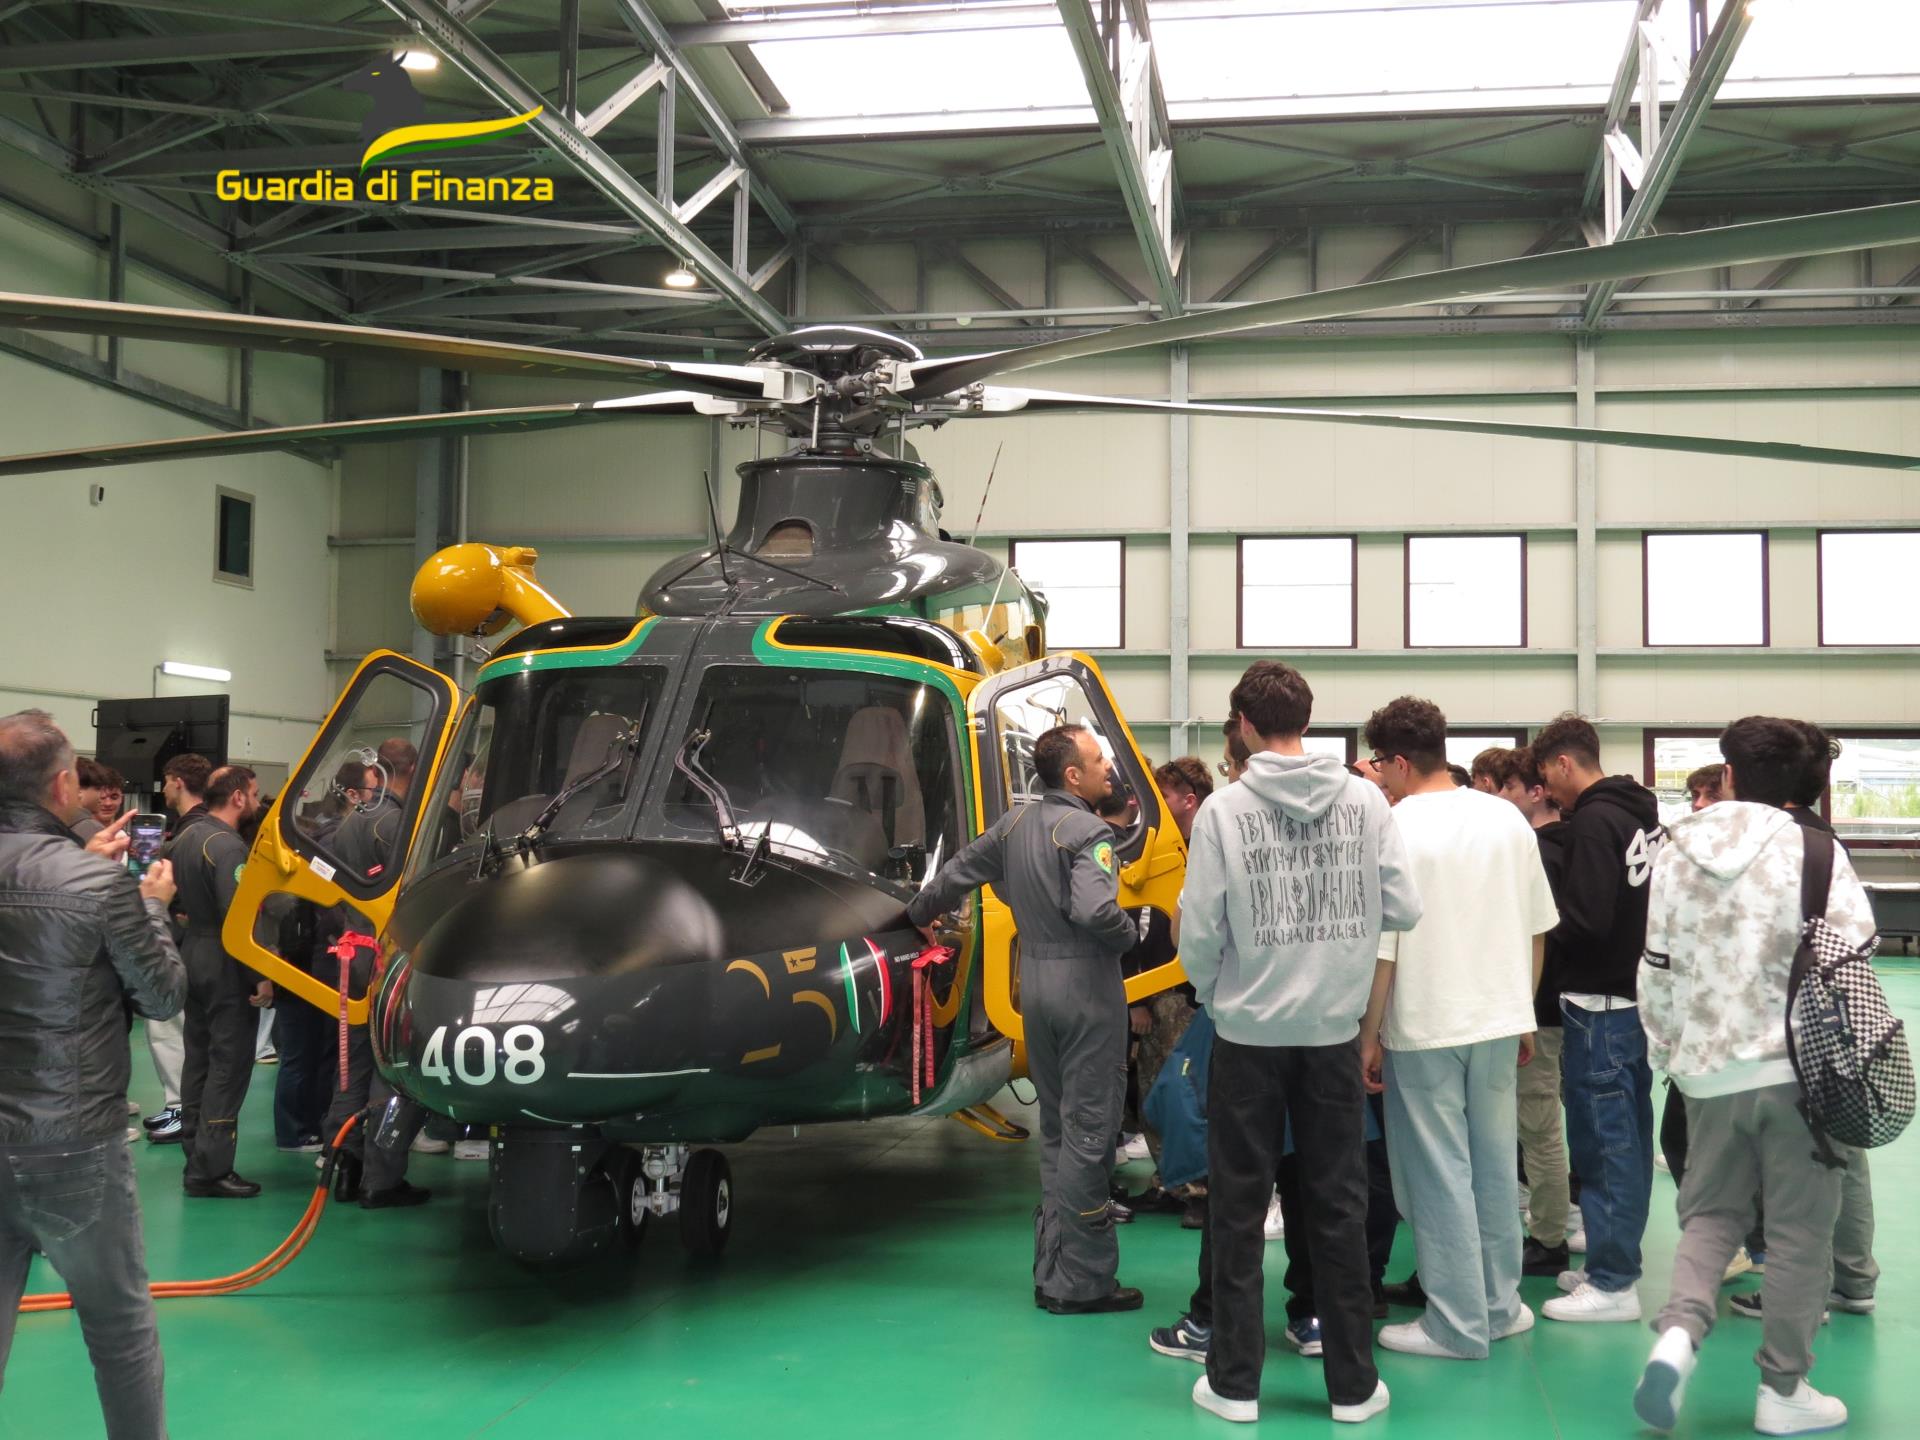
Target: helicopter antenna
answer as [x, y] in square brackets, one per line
[713, 519]
[992, 470]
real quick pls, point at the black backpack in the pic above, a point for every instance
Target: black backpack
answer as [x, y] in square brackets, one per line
[1848, 1051]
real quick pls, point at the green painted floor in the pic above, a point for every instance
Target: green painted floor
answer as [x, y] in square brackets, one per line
[878, 1280]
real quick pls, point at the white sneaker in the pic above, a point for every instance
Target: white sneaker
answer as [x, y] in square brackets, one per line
[1663, 1384]
[1412, 1339]
[1801, 1413]
[1577, 1239]
[134, 1132]
[1849, 1304]
[1522, 1323]
[1136, 1148]
[1242, 1412]
[1738, 1266]
[1571, 1280]
[1366, 1409]
[1276, 1226]
[471, 1149]
[425, 1144]
[1591, 1303]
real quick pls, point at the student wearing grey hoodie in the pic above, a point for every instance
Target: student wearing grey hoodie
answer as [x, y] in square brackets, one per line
[1292, 875]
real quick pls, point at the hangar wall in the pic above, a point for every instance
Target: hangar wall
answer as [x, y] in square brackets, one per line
[608, 503]
[93, 617]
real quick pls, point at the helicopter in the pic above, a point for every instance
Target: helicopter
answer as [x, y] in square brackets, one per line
[647, 894]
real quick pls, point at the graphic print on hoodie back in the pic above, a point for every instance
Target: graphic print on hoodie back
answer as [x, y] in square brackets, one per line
[1291, 876]
[1612, 838]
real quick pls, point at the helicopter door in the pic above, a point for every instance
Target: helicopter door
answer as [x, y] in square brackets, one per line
[1010, 712]
[339, 833]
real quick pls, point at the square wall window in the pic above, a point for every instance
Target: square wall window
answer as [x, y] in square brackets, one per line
[1296, 593]
[1084, 582]
[1866, 587]
[1466, 590]
[1671, 758]
[1340, 744]
[1705, 589]
[1873, 794]
[1463, 745]
[233, 537]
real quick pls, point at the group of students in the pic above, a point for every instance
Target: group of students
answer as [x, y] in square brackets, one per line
[1500, 966]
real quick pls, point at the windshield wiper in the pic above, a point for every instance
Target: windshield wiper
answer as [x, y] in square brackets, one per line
[620, 751]
[732, 837]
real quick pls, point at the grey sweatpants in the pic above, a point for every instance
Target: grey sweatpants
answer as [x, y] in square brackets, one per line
[1741, 1145]
[1856, 1274]
[1075, 1011]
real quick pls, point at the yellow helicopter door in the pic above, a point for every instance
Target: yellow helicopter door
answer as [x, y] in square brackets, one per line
[373, 765]
[1010, 711]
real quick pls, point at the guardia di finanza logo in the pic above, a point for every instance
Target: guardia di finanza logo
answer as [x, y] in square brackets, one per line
[395, 126]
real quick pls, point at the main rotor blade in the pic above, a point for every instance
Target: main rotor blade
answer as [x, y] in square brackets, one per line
[355, 432]
[1000, 399]
[330, 341]
[1759, 241]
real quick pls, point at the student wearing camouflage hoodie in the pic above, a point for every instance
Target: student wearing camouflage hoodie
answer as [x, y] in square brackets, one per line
[1723, 924]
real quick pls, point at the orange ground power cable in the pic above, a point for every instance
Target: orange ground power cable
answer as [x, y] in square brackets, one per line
[263, 1269]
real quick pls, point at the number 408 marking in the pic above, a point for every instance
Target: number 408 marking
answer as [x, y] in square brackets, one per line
[522, 1061]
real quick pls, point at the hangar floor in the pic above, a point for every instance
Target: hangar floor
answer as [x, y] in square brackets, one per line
[877, 1281]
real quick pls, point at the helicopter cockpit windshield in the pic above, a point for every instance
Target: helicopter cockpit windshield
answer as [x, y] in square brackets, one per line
[852, 771]
[534, 737]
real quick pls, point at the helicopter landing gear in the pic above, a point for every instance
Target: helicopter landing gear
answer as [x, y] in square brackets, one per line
[706, 1203]
[630, 1197]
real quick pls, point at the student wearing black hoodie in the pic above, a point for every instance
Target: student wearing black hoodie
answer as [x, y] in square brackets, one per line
[1612, 835]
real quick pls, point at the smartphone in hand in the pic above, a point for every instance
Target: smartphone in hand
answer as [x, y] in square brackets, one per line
[146, 834]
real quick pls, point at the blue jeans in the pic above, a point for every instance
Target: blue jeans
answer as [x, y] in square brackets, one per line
[1609, 1090]
[76, 1204]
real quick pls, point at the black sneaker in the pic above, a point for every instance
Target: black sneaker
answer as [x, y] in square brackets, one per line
[1748, 1304]
[163, 1117]
[398, 1197]
[1154, 1201]
[1121, 1297]
[1406, 1292]
[1547, 1260]
[1184, 1340]
[172, 1132]
[1193, 1215]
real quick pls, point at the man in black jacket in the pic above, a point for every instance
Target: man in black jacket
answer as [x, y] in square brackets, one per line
[78, 939]
[1612, 835]
[223, 994]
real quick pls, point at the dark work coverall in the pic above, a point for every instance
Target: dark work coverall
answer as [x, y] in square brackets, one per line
[373, 842]
[1052, 861]
[220, 1025]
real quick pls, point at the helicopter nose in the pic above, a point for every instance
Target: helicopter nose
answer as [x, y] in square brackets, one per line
[573, 918]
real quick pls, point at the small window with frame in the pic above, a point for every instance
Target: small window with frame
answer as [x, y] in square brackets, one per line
[1704, 589]
[1466, 591]
[1084, 582]
[232, 537]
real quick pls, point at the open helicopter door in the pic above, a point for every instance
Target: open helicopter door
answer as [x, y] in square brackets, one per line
[1012, 710]
[392, 711]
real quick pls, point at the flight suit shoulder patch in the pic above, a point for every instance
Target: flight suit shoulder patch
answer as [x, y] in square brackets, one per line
[1103, 856]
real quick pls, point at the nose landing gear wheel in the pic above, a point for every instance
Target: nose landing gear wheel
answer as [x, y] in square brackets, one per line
[706, 1203]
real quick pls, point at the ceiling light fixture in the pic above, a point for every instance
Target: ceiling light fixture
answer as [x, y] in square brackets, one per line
[419, 60]
[195, 672]
[681, 278]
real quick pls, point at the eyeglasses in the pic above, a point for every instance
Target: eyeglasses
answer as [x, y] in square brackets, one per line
[1379, 762]
[1220, 767]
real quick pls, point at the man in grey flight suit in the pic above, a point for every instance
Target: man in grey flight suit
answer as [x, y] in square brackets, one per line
[222, 994]
[372, 841]
[1052, 861]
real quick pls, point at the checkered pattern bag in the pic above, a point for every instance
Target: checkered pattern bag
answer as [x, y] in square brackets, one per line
[1849, 1052]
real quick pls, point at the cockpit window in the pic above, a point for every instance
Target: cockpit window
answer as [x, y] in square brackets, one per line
[526, 739]
[853, 771]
